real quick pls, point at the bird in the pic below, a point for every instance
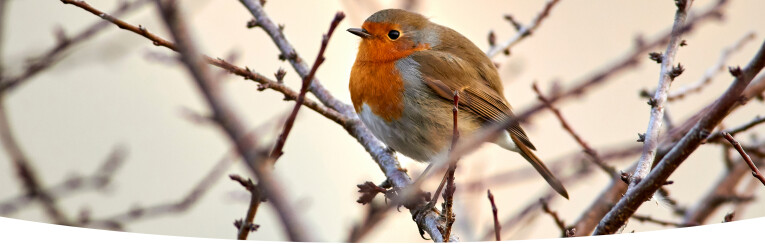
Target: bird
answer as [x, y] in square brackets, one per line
[402, 87]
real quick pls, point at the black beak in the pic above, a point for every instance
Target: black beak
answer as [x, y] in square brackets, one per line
[359, 32]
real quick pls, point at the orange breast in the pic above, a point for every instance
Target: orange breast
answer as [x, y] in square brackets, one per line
[379, 85]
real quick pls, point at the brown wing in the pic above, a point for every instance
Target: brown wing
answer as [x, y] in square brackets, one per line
[445, 74]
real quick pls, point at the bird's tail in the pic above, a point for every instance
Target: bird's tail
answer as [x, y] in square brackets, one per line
[540, 167]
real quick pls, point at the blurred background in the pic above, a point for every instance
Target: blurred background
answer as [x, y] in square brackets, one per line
[119, 89]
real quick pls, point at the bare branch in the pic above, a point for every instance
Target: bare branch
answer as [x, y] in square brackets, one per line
[523, 31]
[246, 225]
[57, 52]
[137, 213]
[587, 149]
[231, 123]
[755, 172]
[277, 151]
[666, 76]
[715, 137]
[27, 175]
[658, 176]
[554, 215]
[98, 180]
[650, 219]
[706, 79]
[723, 191]
[497, 227]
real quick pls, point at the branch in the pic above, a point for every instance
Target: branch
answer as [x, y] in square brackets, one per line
[277, 151]
[666, 76]
[755, 172]
[721, 192]
[27, 175]
[98, 180]
[231, 123]
[738, 129]
[246, 225]
[658, 176]
[650, 219]
[56, 53]
[587, 149]
[115, 222]
[523, 31]
[450, 187]
[718, 67]
[384, 158]
[554, 215]
[497, 227]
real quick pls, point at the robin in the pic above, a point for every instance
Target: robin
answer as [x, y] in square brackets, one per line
[402, 85]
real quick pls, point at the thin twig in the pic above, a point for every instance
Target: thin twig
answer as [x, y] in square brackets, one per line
[497, 227]
[57, 52]
[558, 222]
[256, 197]
[231, 123]
[716, 136]
[587, 149]
[27, 175]
[755, 172]
[98, 180]
[450, 187]
[277, 151]
[650, 219]
[721, 192]
[718, 67]
[523, 31]
[658, 176]
[667, 75]
[115, 222]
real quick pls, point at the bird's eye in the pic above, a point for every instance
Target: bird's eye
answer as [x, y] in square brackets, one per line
[393, 35]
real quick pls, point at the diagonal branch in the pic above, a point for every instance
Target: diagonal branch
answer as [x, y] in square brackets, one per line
[56, 53]
[755, 172]
[277, 151]
[711, 72]
[523, 31]
[25, 172]
[587, 149]
[231, 122]
[658, 176]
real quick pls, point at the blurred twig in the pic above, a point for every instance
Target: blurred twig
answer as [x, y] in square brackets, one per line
[27, 175]
[98, 180]
[231, 122]
[497, 227]
[712, 71]
[57, 52]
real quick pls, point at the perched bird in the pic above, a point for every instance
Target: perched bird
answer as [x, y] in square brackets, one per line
[402, 85]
